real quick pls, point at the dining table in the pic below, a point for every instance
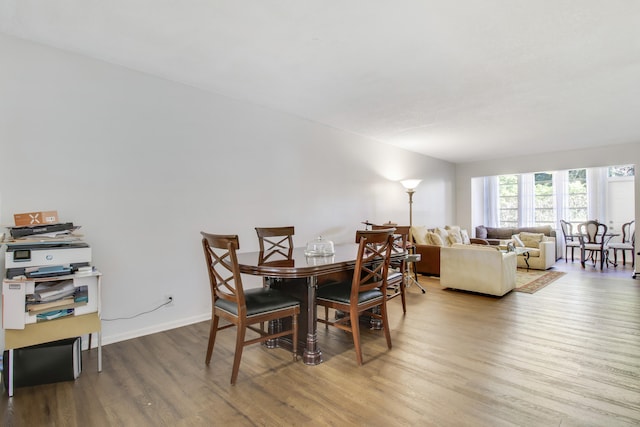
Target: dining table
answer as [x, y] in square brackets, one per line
[300, 275]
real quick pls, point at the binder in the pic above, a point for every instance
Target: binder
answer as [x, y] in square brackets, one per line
[44, 363]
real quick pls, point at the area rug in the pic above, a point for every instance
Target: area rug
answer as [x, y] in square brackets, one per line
[530, 281]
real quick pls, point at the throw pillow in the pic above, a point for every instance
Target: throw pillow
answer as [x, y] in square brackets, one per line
[454, 234]
[434, 239]
[444, 235]
[481, 232]
[419, 234]
[465, 237]
[531, 240]
[517, 241]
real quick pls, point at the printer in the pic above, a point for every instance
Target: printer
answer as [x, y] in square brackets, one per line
[44, 259]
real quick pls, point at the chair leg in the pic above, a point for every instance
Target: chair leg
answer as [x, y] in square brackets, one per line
[212, 338]
[385, 324]
[355, 332]
[294, 326]
[403, 296]
[242, 329]
[326, 317]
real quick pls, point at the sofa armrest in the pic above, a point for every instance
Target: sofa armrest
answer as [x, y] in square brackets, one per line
[476, 241]
[548, 252]
[429, 263]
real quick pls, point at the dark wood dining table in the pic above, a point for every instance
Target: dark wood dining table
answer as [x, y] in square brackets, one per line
[300, 276]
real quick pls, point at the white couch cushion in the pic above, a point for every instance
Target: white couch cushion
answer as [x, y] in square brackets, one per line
[419, 234]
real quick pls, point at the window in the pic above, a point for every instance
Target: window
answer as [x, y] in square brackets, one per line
[544, 208]
[621, 171]
[508, 200]
[577, 196]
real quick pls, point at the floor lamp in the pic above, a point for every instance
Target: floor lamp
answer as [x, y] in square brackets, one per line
[410, 185]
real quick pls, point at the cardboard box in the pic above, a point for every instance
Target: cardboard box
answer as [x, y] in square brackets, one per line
[36, 218]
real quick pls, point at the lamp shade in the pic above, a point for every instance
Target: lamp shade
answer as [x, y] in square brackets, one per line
[410, 184]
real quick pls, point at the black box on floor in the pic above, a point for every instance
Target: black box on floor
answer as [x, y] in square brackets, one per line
[44, 363]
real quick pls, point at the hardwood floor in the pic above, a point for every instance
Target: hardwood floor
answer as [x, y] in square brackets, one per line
[568, 355]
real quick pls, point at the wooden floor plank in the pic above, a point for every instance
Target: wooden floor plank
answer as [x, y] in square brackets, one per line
[568, 355]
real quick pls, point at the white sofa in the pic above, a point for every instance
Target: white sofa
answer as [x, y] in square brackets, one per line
[483, 269]
[538, 258]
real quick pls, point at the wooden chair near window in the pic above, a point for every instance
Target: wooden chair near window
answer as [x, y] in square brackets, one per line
[365, 291]
[570, 240]
[593, 238]
[242, 308]
[628, 243]
[397, 277]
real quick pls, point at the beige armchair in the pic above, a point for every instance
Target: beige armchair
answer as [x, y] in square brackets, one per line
[483, 269]
[540, 253]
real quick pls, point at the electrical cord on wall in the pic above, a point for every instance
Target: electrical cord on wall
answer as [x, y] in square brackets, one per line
[140, 314]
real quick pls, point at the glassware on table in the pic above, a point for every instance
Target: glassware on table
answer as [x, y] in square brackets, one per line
[319, 247]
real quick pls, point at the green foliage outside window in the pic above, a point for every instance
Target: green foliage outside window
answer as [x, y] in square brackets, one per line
[544, 210]
[576, 200]
[508, 195]
[621, 171]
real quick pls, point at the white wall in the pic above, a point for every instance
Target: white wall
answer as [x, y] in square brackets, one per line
[144, 164]
[602, 156]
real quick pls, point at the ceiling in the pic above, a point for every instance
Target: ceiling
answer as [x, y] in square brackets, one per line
[463, 80]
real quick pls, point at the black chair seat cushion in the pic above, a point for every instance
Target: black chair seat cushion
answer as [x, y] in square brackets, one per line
[259, 300]
[341, 292]
[396, 275]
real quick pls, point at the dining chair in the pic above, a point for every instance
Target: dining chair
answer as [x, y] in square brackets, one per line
[628, 243]
[570, 240]
[275, 241]
[242, 308]
[276, 247]
[366, 289]
[593, 237]
[397, 276]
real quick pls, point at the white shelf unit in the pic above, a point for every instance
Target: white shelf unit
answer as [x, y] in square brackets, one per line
[22, 330]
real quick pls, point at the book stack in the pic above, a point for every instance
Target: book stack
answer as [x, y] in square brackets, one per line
[52, 300]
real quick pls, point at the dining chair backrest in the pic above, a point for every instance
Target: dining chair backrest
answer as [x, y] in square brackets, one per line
[374, 253]
[400, 236]
[275, 242]
[396, 281]
[222, 265]
[593, 232]
[567, 230]
[629, 232]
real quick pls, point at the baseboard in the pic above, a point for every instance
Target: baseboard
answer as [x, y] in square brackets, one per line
[161, 327]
